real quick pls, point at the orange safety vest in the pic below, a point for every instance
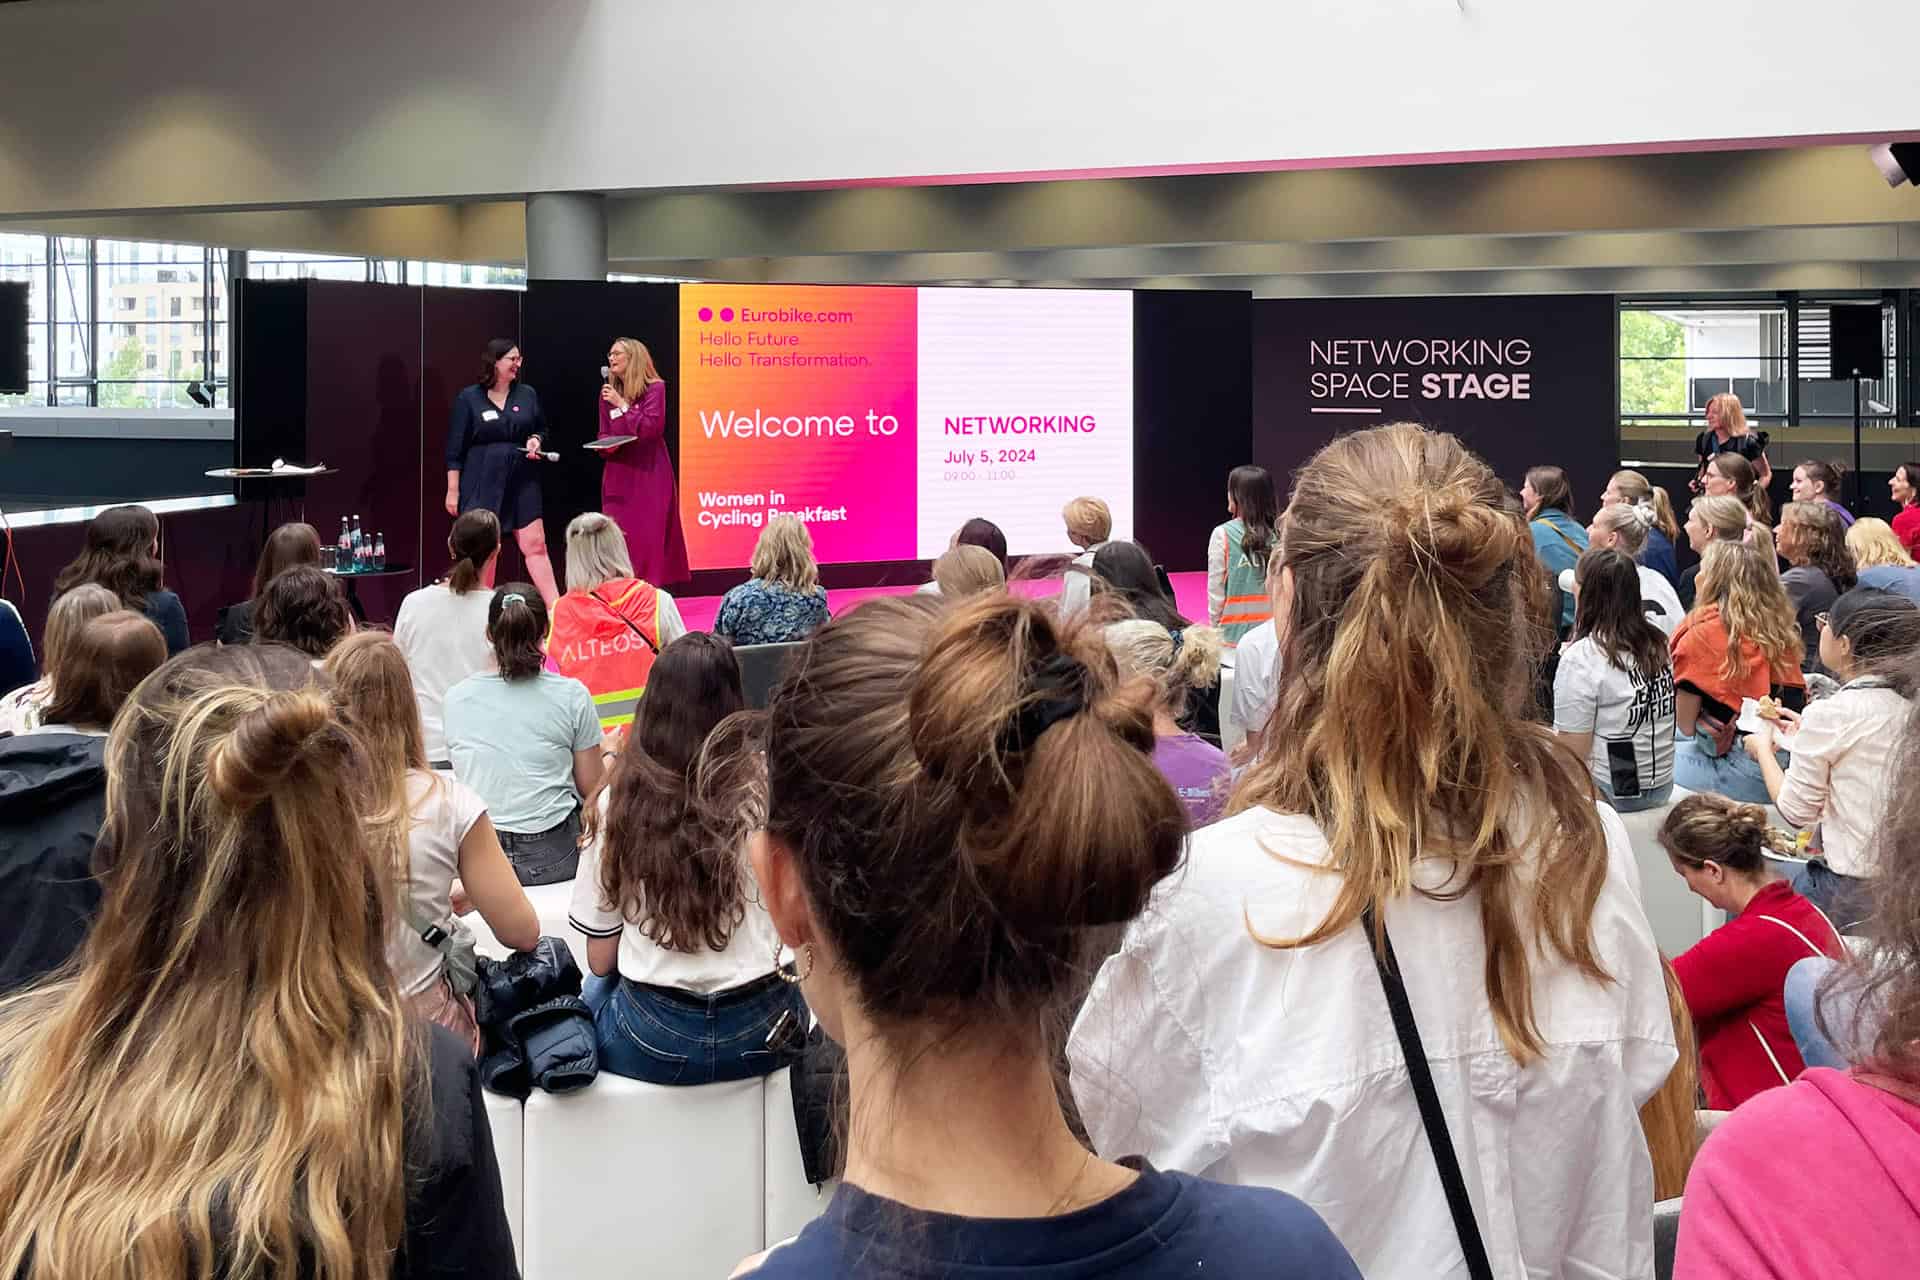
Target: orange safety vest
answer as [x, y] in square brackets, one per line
[607, 639]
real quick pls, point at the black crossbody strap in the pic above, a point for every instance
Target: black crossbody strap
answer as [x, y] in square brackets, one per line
[629, 621]
[1432, 1118]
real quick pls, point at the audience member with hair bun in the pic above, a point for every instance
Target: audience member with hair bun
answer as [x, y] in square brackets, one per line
[1739, 642]
[1613, 698]
[1822, 1177]
[1842, 745]
[1816, 481]
[783, 601]
[1237, 552]
[1625, 529]
[305, 609]
[1196, 769]
[433, 831]
[122, 554]
[1734, 977]
[1242, 1031]
[686, 987]
[53, 792]
[287, 546]
[1813, 542]
[21, 709]
[610, 625]
[967, 570]
[1730, 475]
[227, 1081]
[1880, 560]
[1904, 487]
[1126, 571]
[1631, 488]
[527, 740]
[1558, 539]
[961, 804]
[442, 627]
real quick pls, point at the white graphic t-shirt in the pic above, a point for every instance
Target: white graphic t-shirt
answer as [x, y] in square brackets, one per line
[1631, 719]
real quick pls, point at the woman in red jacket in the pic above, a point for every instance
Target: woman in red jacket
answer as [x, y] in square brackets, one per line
[1733, 977]
[1905, 488]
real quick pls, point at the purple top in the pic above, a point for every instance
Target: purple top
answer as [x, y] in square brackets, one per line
[1198, 771]
[1846, 516]
[637, 489]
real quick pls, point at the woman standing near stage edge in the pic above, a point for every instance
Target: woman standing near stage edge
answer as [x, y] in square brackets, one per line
[492, 442]
[637, 489]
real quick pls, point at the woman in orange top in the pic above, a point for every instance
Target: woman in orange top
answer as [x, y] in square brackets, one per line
[1740, 641]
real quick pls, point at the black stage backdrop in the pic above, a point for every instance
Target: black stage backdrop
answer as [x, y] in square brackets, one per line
[1192, 411]
[1523, 380]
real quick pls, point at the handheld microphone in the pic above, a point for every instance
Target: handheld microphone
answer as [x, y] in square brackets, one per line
[606, 374]
[551, 457]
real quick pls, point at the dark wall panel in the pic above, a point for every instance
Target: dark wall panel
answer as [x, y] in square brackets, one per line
[456, 325]
[363, 416]
[1192, 407]
[1308, 352]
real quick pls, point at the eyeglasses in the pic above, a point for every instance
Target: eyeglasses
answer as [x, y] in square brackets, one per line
[1823, 620]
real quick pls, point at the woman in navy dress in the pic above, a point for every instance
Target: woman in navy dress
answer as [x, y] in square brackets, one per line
[493, 442]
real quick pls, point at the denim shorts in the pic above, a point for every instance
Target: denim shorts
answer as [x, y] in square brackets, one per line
[664, 1036]
[545, 857]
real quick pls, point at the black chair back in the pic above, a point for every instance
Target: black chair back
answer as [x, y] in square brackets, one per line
[762, 666]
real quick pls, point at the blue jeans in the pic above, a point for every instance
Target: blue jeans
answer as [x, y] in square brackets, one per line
[1845, 899]
[1651, 799]
[665, 1036]
[1735, 775]
[1846, 1013]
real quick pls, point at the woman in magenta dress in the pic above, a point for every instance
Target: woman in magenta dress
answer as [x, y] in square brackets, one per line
[638, 488]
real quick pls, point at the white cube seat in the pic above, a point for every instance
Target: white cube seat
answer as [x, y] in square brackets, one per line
[506, 1117]
[625, 1178]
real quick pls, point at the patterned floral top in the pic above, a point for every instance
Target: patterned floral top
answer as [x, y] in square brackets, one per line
[762, 612]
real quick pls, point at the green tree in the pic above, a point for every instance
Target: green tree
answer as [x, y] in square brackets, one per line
[1653, 366]
[116, 392]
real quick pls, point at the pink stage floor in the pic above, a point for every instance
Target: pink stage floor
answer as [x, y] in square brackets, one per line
[1189, 590]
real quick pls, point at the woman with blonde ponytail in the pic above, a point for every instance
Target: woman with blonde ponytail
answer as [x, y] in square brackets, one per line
[1632, 489]
[1403, 805]
[226, 1081]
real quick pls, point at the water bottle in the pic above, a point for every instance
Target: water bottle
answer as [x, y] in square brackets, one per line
[343, 549]
[359, 546]
[379, 550]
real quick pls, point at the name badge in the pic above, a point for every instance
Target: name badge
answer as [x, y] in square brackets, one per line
[490, 415]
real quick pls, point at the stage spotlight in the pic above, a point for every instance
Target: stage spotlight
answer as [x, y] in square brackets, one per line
[201, 393]
[1898, 162]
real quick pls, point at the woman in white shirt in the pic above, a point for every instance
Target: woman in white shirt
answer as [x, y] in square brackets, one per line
[1842, 746]
[442, 628]
[1613, 695]
[1624, 527]
[1243, 1030]
[665, 895]
[437, 828]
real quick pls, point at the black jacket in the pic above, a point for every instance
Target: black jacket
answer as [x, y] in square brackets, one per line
[456, 1215]
[53, 797]
[538, 1031]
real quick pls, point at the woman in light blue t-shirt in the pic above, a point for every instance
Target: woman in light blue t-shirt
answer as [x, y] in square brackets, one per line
[527, 740]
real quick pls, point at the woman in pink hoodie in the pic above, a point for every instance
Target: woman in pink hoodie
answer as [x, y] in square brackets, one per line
[1822, 1178]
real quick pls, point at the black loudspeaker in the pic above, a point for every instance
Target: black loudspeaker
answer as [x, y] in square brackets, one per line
[13, 337]
[1853, 342]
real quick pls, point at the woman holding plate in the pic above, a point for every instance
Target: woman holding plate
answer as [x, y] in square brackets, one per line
[638, 488]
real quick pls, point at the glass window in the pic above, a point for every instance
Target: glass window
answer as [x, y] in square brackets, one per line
[23, 259]
[280, 264]
[1673, 359]
[466, 275]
